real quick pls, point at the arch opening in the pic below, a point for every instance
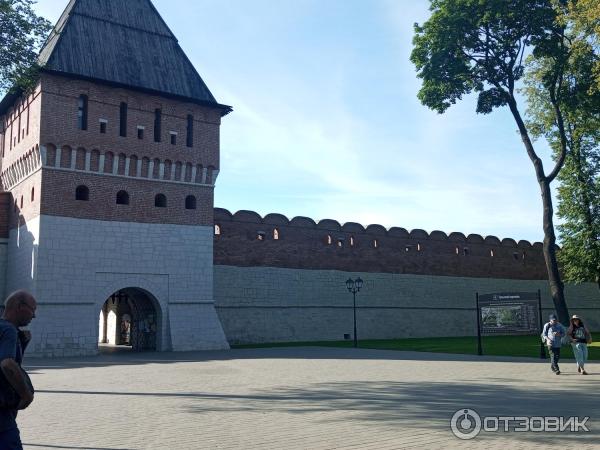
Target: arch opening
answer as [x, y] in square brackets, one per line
[130, 319]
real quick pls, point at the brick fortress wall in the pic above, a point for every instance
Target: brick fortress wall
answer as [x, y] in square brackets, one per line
[5, 205]
[107, 162]
[20, 157]
[247, 240]
[284, 280]
[19, 130]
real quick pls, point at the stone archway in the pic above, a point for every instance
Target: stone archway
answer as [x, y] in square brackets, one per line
[137, 321]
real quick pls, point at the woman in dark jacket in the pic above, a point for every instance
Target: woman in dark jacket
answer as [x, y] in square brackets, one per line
[580, 338]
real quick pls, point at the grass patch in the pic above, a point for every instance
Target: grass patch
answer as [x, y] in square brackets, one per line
[528, 346]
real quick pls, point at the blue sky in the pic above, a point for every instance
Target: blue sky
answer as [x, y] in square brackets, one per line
[326, 122]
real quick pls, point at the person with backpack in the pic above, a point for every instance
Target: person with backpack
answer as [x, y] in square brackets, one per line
[16, 391]
[580, 338]
[552, 334]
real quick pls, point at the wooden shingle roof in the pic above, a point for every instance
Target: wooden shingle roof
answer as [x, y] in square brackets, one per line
[125, 43]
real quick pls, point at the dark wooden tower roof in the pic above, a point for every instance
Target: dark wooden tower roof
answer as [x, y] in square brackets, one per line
[125, 43]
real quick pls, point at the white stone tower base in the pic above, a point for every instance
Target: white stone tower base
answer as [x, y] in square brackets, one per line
[73, 266]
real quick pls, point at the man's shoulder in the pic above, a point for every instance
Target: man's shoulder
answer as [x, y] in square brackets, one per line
[9, 340]
[7, 329]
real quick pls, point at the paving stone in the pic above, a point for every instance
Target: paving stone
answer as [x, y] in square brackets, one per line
[298, 398]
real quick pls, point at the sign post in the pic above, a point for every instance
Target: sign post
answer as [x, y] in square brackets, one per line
[508, 313]
[479, 347]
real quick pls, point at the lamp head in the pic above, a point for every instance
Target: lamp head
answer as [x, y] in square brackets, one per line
[350, 284]
[358, 283]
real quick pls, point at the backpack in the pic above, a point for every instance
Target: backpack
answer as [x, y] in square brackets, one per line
[9, 399]
[543, 335]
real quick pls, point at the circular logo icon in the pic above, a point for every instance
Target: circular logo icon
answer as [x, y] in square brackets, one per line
[465, 424]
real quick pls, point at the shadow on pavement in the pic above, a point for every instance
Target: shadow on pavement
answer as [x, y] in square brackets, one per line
[405, 404]
[127, 357]
[73, 448]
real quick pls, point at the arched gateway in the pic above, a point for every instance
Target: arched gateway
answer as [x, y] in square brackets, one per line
[131, 317]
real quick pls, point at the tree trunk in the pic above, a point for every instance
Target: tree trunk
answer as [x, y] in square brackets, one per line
[556, 285]
[549, 246]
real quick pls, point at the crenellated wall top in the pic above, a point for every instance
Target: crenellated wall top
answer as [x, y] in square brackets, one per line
[223, 215]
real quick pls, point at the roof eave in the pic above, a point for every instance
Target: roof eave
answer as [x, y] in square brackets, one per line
[225, 109]
[9, 99]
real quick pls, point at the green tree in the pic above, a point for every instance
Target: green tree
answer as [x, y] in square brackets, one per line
[480, 46]
[21, 34]
[579, 188]
[584, 18]
[579, 207]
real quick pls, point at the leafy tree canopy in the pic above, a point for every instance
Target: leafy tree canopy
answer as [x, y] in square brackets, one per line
[584, 17]
[22, 32]
[478, 46]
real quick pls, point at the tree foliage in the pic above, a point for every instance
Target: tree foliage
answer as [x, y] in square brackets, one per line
[579, 189]
[579, 207]
[584, 17]
[21, 34]
[477, 46]
[480, 46]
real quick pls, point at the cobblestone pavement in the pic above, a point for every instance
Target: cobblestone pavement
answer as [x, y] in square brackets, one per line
[298, 398]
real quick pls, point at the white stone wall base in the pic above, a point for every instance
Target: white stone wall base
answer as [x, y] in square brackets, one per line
[198, 327]
[72, 266]
[268, 304]
[63, 330]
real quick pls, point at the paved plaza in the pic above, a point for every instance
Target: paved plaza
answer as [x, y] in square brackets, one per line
[298, 398]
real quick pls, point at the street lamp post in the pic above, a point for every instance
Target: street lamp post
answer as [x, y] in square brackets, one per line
[354, 286]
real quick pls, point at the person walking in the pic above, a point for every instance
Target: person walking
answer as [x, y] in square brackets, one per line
[553, 334]
[19, 311]
[580, 338]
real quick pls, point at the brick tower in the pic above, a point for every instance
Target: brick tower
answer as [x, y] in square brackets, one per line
[108, 170]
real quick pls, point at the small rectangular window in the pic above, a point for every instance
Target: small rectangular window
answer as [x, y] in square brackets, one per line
[173, 138]
[140, 132]
[82, 112]
[123, 119]
[102, 126]
[157, 123]
[189, 141]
